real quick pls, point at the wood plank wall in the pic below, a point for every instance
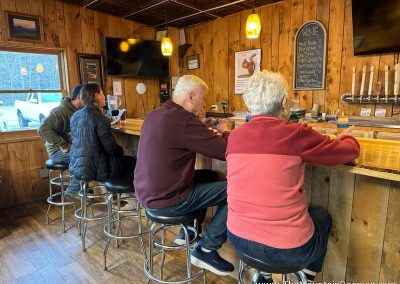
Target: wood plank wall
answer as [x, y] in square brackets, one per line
[217, 42]
[79, 30]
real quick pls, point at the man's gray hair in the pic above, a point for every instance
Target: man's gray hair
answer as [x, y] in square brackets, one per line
[187, 84]
[264, 93]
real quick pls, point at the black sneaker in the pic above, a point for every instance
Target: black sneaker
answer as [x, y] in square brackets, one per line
[262, 280]
[180, 237]
[211, 261]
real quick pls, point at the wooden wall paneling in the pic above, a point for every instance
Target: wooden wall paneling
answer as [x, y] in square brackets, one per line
[101, 31]
[6, 190]
[74, 41]
[334, 58]
[275, 37]
[284, 31]
[348, 60]
[386, 59]
[309, 13]
[23, 6]
[323, 13]
[37, 7]
[367, 229]
[220, 62]
[174, 61]
[320, 187]
[50, 24]
[191, 51]
[20, 172]
[206, 62]
[235, 100]
[340, 206]
[3, 26]
[62, 36]
[197, 48]
[37, 158]
[131, 99]
[6, 5]
[114, 26]
[391, 246]
[88, 31]
[266, 37]
[296, 20]
[127, 28]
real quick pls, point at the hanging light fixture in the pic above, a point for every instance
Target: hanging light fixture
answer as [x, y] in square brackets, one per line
[166, 44]
[39, 68]
[253, 25]
[24, 70]
[124, 46]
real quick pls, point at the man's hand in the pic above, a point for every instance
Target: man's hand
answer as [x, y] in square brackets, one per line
[223, 125]
[210, 122]
[65, 149]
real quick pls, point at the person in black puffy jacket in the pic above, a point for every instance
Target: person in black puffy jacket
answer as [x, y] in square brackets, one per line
[95, 154]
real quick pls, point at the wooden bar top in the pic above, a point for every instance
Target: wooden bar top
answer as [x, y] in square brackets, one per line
[378, 157]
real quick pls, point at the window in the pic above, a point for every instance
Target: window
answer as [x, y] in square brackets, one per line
[30, 86]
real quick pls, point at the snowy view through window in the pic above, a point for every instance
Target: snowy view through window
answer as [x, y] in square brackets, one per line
[30, 86]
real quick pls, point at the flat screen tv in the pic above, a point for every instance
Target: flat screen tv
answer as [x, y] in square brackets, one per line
[139, 58]
[376, 26]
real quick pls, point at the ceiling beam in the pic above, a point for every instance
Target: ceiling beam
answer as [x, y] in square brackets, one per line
[193, 8]
[147, 8]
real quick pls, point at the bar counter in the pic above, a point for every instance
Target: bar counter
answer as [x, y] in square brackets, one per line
[363, 200]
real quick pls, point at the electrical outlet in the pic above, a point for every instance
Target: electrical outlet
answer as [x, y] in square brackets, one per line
[224, 105]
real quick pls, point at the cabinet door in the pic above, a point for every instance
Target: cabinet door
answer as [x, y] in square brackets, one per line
[6, 190]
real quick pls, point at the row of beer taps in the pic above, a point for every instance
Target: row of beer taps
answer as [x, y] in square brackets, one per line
[373, 94]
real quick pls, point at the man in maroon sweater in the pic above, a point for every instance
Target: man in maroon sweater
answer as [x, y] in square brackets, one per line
[165, 176]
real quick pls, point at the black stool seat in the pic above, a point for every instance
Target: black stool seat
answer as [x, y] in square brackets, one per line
[122, 184]
[56, 166]
[262, 266]
[174, 220]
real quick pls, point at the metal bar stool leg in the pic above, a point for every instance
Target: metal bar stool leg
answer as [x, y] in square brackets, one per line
[62, 200]
[109, 221]
[51, 194]
[84, 216]
[187, 251]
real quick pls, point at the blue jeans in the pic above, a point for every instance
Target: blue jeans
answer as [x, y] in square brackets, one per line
[61, 157]
[204, 195]
[310, 255]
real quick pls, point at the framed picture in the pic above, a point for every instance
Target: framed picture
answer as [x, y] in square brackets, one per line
[22, 27]
[90, 69]
[246, 63]
[193, 62]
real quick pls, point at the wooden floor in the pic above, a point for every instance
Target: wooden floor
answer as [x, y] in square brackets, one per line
[33, 252]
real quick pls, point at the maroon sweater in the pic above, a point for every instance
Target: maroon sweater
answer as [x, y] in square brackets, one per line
[170, 138]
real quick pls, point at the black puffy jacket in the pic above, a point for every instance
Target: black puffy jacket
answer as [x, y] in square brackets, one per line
[95, 154]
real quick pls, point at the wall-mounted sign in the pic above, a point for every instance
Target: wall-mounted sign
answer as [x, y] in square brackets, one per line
[246, 63]
[310, 56]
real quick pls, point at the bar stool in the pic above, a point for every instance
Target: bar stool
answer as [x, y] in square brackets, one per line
[116, 187]
[167, 222]
[61, 182]
[247, 262]
[89, 199]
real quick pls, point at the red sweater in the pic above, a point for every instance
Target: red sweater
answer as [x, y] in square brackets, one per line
[169, 140]
[265, 163]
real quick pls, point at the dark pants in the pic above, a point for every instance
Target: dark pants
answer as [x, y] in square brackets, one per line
[202, 196]
[310, 255]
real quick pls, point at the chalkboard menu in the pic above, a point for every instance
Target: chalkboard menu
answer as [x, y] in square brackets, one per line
[309, 60]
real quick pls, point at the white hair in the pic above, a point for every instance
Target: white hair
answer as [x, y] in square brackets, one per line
[187, 84]
[264, 93]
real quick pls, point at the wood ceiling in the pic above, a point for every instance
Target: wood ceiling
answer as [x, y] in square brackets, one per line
[173, 13]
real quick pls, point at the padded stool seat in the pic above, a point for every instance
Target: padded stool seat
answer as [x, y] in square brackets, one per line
[247, 262]
[61, 180]
[56, 166]
[122, 184]
[173, 220]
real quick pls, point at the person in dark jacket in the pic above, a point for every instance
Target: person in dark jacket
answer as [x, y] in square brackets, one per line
[56, 131]
[95, 154]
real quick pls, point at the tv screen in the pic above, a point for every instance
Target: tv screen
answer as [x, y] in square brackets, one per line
[376, 26]
[137, 58]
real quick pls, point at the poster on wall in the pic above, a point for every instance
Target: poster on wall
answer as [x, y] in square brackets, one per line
[246, 63]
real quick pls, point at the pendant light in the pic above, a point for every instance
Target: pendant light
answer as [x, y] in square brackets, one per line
[253, 25]
[166, 44]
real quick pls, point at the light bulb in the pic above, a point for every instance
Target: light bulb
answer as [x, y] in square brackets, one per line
[132, 41]
[124, 46]
[166, 46]
[24, 70]
[253, 26]
[39, 68]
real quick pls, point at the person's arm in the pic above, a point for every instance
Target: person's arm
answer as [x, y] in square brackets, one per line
[320, 149]
[50, 129]
[107, 138]
[198, 138]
